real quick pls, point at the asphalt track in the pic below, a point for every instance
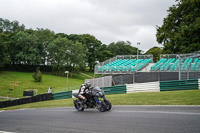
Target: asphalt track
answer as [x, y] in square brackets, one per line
[121, 119]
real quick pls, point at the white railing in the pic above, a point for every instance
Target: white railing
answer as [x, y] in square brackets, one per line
[143, 87]
[199, 83]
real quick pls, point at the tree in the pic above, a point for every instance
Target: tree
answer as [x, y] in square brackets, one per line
[77, 56]
[27, 48]
[37, 75]
[59, 50]
[122, 48]
[3, 49]
[155, 51]
[92, 48]
[180, 32]
[45, 37]
[103, 53]
[7, 26]
[8, 32]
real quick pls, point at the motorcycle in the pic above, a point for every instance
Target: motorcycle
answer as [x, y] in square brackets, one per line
[95, 99]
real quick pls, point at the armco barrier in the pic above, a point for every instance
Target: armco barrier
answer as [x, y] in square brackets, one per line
[143, 87]
[120, 89]
[179, 85]
[37, 98]
[62, 95]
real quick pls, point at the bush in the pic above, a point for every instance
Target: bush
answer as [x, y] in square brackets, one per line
[37, 76]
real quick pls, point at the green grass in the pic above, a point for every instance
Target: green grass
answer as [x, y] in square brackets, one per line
[26, 82]
[186, 97]
[3, 99]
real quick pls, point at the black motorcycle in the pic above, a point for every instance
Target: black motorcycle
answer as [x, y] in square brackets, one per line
[95, 99]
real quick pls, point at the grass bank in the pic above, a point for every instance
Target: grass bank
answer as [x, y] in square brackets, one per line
[187, 97]
[26, 82]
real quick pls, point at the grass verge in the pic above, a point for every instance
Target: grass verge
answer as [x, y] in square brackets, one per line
[26, 82]
[186, 97]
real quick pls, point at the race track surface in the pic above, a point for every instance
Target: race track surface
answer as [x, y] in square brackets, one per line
[121, 119]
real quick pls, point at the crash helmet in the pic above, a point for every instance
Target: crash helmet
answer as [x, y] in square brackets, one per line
[87, 84]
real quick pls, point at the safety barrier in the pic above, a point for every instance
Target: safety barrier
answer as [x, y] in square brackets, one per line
[143, 87]
[120, 89]
[62, 95]
[37, 98]
[179, 85]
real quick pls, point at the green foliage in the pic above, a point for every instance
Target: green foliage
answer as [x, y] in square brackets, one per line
[59, 52]
[180, 32]
[77, 56]
[37, 76]
[41, 47]
[103, 53]
[122, 48]
[155, 51]
[7, 26]
[3, 49]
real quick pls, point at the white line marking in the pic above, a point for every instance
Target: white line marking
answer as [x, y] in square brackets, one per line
[5, 132]
[161, 112]
[156, 105]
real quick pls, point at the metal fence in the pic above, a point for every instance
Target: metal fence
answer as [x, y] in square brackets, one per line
[141, 77]
[179, 85]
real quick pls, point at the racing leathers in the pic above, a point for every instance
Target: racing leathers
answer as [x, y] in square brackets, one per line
[82, 90]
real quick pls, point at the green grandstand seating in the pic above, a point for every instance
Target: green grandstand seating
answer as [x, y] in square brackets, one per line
[167, 64]
[174, 67]
[195, 66]
[156, 66]
[124, 65]
[186, 64]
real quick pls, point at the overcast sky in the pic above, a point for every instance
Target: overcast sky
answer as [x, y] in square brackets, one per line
[108, 20]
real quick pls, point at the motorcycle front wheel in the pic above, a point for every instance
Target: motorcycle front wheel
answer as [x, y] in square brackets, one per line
[102, 107]
[78, 105]
[108, 106]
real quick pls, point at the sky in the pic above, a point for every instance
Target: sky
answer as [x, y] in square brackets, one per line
[108, 20]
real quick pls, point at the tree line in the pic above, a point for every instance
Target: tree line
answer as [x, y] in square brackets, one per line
[180, 31]
[20, 46]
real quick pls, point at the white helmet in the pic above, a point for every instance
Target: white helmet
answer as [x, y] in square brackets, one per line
[88, 84]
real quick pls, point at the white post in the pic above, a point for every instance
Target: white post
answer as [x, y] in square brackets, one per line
[179, 71]
[137, 54]
[67, 72]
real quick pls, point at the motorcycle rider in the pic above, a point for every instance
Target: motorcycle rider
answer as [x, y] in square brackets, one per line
[82, 90]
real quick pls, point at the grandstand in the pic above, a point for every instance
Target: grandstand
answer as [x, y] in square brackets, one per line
[170, 63]
[129, 64]
[123, 64]
[129, 69]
